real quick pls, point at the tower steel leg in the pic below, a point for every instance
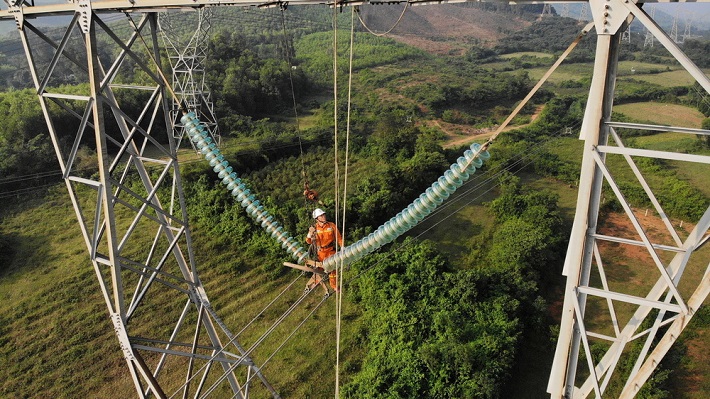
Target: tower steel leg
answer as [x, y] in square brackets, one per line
[623, 314]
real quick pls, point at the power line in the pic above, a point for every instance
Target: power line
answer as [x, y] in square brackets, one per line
[488, 177]
[26, 190]
[484, 179]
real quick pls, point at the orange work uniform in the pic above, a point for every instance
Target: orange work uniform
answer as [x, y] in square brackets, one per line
[325, 236]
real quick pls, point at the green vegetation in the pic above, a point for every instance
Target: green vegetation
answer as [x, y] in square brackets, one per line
[662, 114]
[433, 315]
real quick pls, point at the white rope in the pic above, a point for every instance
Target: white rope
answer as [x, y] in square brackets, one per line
[336, 177]
[341, 271]
[335, 111]
[406, 6]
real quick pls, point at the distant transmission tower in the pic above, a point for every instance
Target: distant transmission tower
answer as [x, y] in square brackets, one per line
[686, 31]
[626, 35]
[674, 29]
[186, 44]
[584, 12]
[546, 10]
[648, 39]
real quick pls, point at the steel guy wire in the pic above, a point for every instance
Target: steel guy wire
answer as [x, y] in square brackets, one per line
[233, 337]
[283, 343]
[485, 181]
[257, 343]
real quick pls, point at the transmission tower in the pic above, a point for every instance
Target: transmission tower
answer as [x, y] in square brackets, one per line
[186, 41]
[565, 10]
[546, 10]
[605, 322]
[674, 28]
[172, 340]
[626, 35]
[648, 38]
[687, 31]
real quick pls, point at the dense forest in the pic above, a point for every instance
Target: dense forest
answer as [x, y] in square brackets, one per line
[431, 324]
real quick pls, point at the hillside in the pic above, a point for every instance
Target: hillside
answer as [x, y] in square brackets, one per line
[444, 29]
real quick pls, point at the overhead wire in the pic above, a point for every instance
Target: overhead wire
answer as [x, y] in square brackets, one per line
[487, 177]
[388, 31]
[340, 269]
[267, 307]
[253, 346]
[285, 340]
[528, 154]
[336, 173]
[704, 97]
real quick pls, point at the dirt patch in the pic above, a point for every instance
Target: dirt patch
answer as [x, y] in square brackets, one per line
[699, 352]
[619, 225]
[457, 134]
[445, 29]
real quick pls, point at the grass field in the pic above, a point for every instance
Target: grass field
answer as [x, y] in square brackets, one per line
[662, 114]
[565, 72]
[56, 340]
[665, 79]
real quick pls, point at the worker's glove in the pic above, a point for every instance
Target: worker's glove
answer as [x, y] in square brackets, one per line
[311, 230]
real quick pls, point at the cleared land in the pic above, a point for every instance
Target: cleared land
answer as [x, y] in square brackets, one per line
[662, 114]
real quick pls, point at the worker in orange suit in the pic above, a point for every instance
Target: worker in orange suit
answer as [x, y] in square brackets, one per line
[323, 235]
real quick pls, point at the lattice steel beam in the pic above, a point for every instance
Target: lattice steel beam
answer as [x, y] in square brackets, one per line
[130, 206]
[185, 38]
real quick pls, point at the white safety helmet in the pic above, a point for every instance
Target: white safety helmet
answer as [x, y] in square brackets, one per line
[317, 212]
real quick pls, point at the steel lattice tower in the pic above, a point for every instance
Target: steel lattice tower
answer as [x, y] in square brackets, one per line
[648, 37]
[185, 40]
[133, 195]
[601, 312]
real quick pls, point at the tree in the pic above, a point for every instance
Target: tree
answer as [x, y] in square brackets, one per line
[25, 148]
[431, 332]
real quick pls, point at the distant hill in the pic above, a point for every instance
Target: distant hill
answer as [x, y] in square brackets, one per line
[444, 28]
[453, 28]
